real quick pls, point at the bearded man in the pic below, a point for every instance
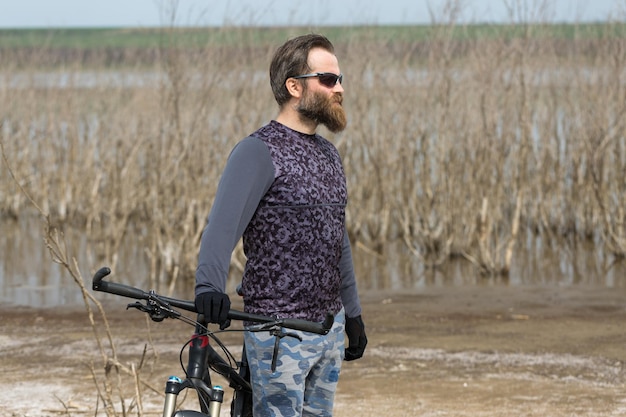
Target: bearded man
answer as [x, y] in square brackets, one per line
[283, 191]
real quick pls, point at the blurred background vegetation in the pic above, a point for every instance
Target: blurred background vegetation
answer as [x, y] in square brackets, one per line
[479, 144]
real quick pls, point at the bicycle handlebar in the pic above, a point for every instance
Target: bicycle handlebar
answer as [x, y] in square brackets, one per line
[99, 284]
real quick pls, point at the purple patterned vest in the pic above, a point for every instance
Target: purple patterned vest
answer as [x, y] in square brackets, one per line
[293, 242]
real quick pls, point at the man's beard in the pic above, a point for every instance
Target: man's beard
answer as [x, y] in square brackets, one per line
[324, 110]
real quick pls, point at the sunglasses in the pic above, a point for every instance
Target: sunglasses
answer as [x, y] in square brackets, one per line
[327, 79]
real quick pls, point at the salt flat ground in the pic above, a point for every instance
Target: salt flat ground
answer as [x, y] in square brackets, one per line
[492, 351]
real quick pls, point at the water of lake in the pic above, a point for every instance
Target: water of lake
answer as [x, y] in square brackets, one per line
[29, 277]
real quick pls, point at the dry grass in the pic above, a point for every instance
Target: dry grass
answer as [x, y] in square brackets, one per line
[458, 148]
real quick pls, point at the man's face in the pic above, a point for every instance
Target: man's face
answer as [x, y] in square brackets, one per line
[321, 103]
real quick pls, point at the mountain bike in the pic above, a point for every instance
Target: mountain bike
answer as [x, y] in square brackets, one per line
[202, 357]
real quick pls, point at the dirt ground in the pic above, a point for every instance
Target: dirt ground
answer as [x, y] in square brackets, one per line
[493, 351]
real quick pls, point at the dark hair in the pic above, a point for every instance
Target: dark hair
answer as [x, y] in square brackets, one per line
[291, 59]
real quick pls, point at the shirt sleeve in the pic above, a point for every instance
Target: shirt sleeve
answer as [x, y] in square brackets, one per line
[248, 174]
[348, 289]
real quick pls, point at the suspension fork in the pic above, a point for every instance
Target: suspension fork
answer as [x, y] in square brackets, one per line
[210, 401]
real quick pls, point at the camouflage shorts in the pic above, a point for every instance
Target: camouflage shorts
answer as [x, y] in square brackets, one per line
[306, 374]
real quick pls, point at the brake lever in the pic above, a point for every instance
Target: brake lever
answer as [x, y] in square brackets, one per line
[278, 332]
[141, 307]
[155, 308]
[273, 328]
[262, 327]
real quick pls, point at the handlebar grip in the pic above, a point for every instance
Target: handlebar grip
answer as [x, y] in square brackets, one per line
[308, 326]
[98, 276]
[114, 288]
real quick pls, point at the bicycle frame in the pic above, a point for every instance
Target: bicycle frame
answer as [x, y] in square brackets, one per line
[202, 356]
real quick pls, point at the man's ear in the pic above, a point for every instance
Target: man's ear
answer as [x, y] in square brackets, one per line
[294, 87]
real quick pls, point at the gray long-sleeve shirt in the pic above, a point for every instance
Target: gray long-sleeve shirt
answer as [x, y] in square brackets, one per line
[285, 193]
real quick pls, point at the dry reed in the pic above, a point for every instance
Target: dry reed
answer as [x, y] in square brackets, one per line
[456, 147]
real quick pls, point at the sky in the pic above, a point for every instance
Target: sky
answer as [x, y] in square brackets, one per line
[152, 13]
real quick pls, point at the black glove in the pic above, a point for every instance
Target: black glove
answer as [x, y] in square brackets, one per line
[355, 329]
[214, 306]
